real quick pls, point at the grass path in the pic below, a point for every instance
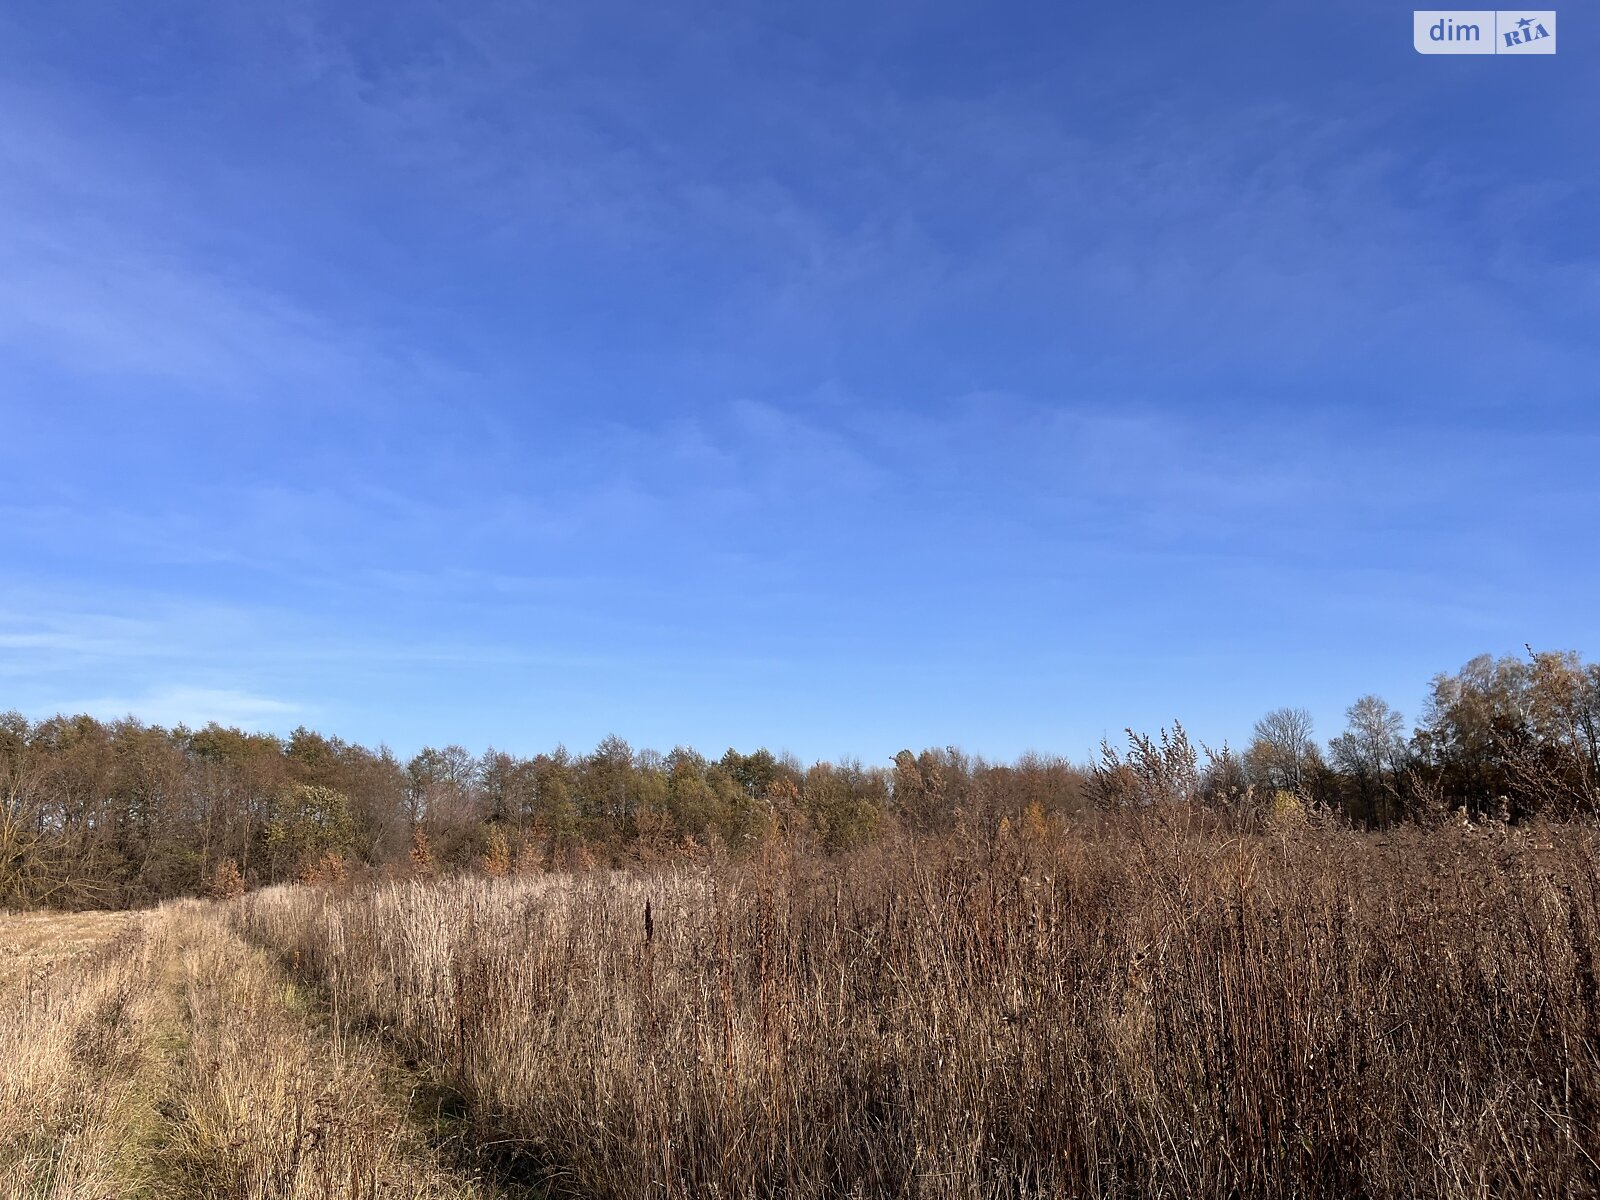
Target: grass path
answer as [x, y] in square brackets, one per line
[160, 1057]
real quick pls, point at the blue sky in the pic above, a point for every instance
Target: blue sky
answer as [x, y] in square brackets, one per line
[830, 377]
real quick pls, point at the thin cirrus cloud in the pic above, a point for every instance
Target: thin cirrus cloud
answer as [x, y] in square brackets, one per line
[195, 707]
[1175, 228]
[84, 285]
[117, 272]
[498, 368]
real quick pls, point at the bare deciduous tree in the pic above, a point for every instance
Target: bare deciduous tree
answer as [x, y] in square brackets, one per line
[1282, 754]
[1371, 754]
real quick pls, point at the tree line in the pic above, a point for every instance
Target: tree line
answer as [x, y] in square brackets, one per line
[119, 813]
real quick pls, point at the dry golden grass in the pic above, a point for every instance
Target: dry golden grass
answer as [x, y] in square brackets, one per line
[31, 942]
[73, 1057]
[1148, 1010]
[170, 1059]
[265, 1105]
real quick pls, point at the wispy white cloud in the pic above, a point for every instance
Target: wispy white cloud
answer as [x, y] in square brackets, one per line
[1277, 239]
[114, 268]
[175, 704]
[736, 342]
[50, 638]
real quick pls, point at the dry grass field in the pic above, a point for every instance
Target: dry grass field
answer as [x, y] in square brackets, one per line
[31, 943]
[1142, 1009]
[158, 1055]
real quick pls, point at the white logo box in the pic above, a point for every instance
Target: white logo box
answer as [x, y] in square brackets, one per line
[1484, 31]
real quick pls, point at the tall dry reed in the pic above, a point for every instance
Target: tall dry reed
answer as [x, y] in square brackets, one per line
[1142, 1010]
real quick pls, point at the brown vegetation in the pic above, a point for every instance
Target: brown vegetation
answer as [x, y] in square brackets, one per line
[1148, 1006]
[168, 1059]
[263, 1104]
[1177, 971]
[123, 815]
[76, 1002]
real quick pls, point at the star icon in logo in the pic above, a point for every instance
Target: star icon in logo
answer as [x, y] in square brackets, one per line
[1525, 22]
